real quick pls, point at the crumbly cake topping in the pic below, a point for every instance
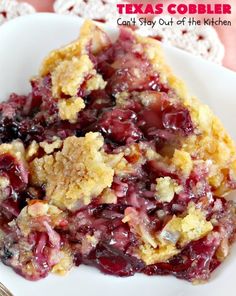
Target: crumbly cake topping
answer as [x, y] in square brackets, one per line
[90, 37]
[108, 196]
[16, 149]
[183, 230]
[212, 141]
[37, 216]
[166, 189]
[151, 256]
[50, 147]
[65, 262]
[69, 108]
[179, 231]
[123, 167]
[76, 174]
[32, 150]
[69, 75]
[95, 82]
[183, 161]
[146, 98]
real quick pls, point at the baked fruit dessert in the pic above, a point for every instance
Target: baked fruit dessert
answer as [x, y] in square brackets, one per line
[109, 162]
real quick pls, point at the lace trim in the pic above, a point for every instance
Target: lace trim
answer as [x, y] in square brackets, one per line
[199, 40]
[10, 9]
[103, 10]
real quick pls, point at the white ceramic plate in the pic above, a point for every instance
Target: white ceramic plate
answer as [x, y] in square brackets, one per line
[23, 44]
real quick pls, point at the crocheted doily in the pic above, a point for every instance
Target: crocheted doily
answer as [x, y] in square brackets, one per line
[102, 10]
[199, 40]
[10, 9]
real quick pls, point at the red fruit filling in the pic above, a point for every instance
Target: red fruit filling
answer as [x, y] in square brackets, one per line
[34, 264]
[119, 126]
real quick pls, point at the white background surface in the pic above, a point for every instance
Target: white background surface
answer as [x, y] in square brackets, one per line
[23, 44]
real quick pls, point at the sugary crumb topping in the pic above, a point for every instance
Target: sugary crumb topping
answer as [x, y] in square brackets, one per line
[69, 108]
[90, 37]
[166, 189]
[65, 262]
[34, 216]
[16, 149]
[70, 74]
[182, 160]
[50, 147]
[151, 256]
[32, 150]
[212, 141]
[122, 98]
[146, 98]
[108, 196]
[181, 230]
[95, 82]
[76, 174]
[191, 227]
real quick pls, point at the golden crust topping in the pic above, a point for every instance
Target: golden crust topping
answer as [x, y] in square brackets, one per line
[76, 174]
[50, 147]
[71, 66]
[32, 150]
[108, 196]
[166, 189]
[160, 246]
[16, 149]
[191, 227]
[146, 98]
[65, 262]
[38, 212]
[90, 37]
[95, 82]
[124, 167]
[151, 256]
[68, 76]
[69, 108]
[183, 162]
[212, 141]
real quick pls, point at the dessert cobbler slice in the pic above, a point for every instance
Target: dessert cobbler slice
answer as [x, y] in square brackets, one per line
[109, 162]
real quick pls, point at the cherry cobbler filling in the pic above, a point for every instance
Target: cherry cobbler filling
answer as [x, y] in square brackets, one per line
[108, 162]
